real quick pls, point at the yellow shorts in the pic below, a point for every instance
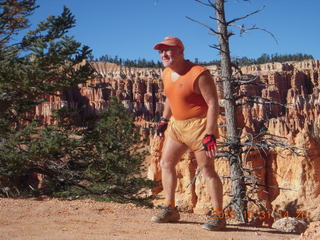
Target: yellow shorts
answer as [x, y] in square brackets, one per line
[190, 132]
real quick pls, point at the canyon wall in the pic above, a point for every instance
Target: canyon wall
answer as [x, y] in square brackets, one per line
[293, 180]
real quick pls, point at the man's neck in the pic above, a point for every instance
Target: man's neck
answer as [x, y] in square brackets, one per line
[181, 67]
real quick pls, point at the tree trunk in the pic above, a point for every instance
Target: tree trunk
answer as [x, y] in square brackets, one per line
[238, 185]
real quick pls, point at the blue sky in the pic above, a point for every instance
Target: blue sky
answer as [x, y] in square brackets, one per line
[129, 28]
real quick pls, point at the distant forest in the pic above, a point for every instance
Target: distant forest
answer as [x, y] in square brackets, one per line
[267, 58]
[140, 63]
[244, 61]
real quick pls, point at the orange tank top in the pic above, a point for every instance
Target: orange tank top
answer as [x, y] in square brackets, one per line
[185, 103]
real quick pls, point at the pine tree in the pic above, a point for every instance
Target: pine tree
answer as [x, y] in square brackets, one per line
[45, 62]
[114, 154]
[100, 157]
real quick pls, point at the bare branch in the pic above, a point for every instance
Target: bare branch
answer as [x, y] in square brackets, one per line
[275, 187]
[213, 5]
[244, 29]
[246, 16]
[253, 99]
[203, 3]
[216, 47]
[250, 80]
[222, 155]
[203, 24]
[257, 202]
[272, 144]
[230, 34]
[209, 4]
[255, 169]
[216, 19]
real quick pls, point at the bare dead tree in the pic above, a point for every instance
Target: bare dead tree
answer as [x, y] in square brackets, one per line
[233, 142]
[233, 148]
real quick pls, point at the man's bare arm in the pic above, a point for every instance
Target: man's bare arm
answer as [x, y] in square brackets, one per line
[207, 88]
[167, 110]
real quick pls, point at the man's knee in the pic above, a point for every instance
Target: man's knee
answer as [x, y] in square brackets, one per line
[208, 170]
[166, 163]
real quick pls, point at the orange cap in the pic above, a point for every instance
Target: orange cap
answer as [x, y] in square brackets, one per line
[169, 41]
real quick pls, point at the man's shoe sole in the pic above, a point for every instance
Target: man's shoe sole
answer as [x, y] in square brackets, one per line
[164, 221]
[218, 228]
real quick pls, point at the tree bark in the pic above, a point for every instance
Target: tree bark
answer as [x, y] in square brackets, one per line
[238, 185]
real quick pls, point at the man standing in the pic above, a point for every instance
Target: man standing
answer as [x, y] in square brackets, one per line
[190, 121]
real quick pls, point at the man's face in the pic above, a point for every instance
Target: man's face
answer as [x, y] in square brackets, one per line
[170, 55]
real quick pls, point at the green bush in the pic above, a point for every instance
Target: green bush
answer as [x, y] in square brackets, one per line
[99, 157]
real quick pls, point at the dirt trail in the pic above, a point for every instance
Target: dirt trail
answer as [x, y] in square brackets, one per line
[49, 219]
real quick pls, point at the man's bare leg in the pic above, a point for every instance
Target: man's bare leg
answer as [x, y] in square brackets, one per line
[214, 184]
[215, 191]
[171, 155]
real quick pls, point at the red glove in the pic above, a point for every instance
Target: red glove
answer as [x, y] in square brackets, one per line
[162, 126]
[209, 142]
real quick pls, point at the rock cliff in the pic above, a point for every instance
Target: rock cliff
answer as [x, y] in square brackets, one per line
[295, 84]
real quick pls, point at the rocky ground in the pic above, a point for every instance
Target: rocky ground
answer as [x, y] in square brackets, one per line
[48, 219]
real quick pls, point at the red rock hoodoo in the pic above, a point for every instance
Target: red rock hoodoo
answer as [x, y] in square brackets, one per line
[295, 84]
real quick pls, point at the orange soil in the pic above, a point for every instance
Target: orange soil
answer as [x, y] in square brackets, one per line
[47, 219]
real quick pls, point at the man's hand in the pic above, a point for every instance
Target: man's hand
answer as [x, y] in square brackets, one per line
[210, 145]
[162, 126]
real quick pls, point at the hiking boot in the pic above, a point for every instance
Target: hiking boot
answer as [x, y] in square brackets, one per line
[215, 222]
[167, 214]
